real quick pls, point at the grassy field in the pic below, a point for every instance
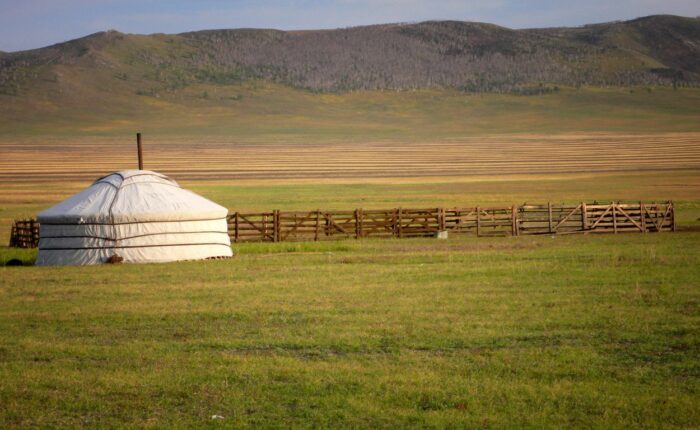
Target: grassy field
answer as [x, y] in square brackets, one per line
[539, 332]
[535, 332]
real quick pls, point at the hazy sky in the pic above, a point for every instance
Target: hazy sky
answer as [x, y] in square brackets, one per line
[26, 24]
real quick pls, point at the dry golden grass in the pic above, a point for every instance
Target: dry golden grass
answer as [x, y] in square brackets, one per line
[208, 158]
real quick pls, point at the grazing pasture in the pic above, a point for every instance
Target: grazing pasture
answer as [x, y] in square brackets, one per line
[492, 332]
[577, 332]
[539, 332]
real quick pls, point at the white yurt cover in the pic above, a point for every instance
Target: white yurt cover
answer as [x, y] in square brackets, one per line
[139, 215]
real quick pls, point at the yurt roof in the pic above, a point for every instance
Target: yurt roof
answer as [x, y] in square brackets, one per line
[132, 196]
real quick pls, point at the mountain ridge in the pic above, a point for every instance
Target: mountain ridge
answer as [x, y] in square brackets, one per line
[468, 56]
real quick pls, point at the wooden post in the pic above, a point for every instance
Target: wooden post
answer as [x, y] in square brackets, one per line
[400, 223]
[441, 219]
[614, 213]
[318, 223]
[478, 221]
[30, 238]
[357, 224]
[514, 220]
[673, 216]
[549, 210]
[13, 235]
[584, 216]
[138, 147]
[642, 217]
[263, 227]
[276, 225]
[235, 227]
[361, 220]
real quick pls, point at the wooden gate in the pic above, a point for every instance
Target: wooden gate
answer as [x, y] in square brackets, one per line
[418, 222]
[376, 223]
[341, 224]
[621, 218]
[258, 227]
[551, 219]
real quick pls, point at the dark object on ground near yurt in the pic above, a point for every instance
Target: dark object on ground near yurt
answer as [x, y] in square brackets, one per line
[114, 259]
[14, 262]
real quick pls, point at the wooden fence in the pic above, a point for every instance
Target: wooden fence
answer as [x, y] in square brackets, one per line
[25, 234]
[280, 226]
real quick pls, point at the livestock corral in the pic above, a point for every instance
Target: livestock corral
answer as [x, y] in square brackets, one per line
[278, 226]
[513, 220]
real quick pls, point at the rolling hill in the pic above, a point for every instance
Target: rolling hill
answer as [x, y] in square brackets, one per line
[463, 55]
[108, 80]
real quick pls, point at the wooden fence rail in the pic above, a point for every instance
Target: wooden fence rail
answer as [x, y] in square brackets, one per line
[24, 233]
[527, 219]
[278, 226]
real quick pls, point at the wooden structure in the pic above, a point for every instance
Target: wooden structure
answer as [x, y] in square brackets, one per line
[24, 234]
[527, 219]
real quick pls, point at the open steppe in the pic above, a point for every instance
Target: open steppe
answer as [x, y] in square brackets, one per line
[576, 331]
[536, 332]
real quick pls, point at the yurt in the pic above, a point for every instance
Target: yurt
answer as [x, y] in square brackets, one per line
[134, 216]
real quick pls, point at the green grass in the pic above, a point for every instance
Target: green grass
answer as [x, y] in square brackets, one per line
[535, 332]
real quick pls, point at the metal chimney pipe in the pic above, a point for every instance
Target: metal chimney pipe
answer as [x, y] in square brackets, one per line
[138, 145]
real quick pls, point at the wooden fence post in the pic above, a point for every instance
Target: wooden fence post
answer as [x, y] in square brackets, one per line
[478, 221]
[362, 223]
[514, 220]
[263, 226]
[276, 225]
[235, 227]
[584, 216]
[13, 235]
[642, 217]
[549, 218]
[318, 223]
[614, 214]
[400, 220]
[673, 216]
[358, 223]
